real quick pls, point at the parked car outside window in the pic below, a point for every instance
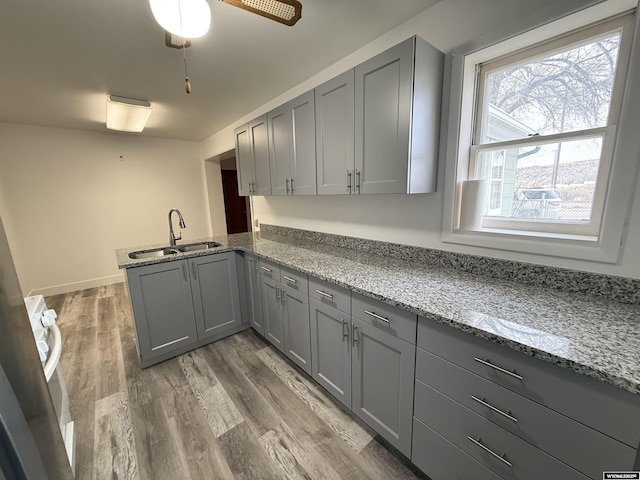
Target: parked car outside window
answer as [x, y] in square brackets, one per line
[537, 203]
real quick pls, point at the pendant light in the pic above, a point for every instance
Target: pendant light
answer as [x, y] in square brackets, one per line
[186, 18]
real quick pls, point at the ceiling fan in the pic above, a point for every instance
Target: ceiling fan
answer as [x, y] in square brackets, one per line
[287, 12]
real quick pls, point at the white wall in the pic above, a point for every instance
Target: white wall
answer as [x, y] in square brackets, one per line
[213, 177]
[417, 220]
[71, 200]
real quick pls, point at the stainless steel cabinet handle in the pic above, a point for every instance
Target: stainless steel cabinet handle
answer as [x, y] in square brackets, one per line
[184, 272]
[287, 182]
[345, 330]
[328, 295]
[278, 294]
[500, 369]
[193, 267]
[479, 443]
[482, 401]
[354, 334]
[266, 269]
[349, 180]
[289, 279]
[378, 317]
[291, 186]
[283, 296]
[357, 181]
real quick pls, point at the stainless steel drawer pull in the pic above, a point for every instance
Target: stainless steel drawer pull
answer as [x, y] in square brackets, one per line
[328, 295]
[478, 442]
[500, 369]
[266, 269]
[345, 330]
[292, 280]
[376, 316]
[482, 401]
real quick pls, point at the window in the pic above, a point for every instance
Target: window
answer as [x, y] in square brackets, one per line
[538, 126]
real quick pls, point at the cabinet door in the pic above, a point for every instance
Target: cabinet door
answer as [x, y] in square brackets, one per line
[272, 312]
[331, 350]
[303, 162]
[280, 149]
[383, 369]
[214, 284]
[383, 119]
[297, 335]
[334, 135]
[260, 156]
[244, 160]
[162, 308]
[254, 300]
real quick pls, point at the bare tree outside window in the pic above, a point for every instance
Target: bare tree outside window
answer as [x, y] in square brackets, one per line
[559, 92]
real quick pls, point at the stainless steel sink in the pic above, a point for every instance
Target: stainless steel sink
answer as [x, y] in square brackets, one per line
[192, 247]
[153, 253]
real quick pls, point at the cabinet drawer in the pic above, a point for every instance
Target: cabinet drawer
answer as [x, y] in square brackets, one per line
[294, 280]
[504, 453]
[441, 459]
[330, 294]
[608, 409]
[585, 449]
[269, 269]
[390, 319]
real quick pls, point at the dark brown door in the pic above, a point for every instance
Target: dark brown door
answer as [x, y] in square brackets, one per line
[235, 206]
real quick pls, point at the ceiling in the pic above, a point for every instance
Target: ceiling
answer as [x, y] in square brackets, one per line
[60, 59]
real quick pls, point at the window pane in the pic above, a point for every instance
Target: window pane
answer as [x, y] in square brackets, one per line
[549, 183]
[562, 91]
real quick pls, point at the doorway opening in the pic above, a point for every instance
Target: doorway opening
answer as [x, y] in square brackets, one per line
[237, 209]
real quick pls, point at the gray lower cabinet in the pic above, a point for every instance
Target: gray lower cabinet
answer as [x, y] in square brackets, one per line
[286, 321]
[253, 293]
[162, 305]
[331, 349]
[183, 304]
[272, 315]
[297, 343]
[216, 299]
[383, 367]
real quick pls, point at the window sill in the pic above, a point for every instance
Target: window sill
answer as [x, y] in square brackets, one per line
[581, 247]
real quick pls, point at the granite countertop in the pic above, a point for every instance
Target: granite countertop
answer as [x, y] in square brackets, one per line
[594, 336]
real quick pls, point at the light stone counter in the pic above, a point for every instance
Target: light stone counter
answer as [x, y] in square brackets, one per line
[596, 334]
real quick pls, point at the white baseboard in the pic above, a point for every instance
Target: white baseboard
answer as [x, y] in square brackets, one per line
[75, 286]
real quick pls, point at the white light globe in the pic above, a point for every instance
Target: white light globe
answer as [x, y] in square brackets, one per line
[186, 18]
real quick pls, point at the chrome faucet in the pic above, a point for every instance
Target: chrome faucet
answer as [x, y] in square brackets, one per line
[172, 237]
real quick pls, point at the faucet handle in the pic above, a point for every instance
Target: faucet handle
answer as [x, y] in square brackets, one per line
[178, 237]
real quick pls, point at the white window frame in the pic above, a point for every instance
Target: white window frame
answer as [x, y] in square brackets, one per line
[617, 175]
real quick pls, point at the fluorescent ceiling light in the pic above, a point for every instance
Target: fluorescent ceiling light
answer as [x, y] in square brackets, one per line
[127, 114]
[186, 18]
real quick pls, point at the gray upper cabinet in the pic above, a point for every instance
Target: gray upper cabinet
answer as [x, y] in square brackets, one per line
[259, 135]
[244, 160]
[397, 110]
[216, 299]
[292, 147]
[252, 156]
[334, 135]
[163, 309]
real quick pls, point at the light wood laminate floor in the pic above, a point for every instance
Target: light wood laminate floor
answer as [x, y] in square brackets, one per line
[235, 409]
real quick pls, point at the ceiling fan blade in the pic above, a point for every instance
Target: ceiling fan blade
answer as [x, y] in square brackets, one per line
[287, 12]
